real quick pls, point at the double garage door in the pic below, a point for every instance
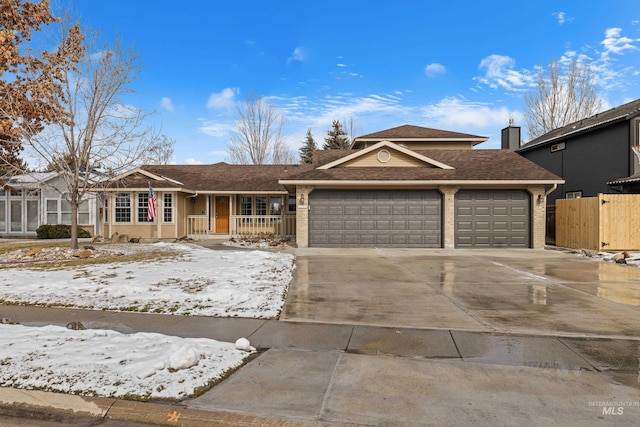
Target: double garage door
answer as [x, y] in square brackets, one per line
[413, 218]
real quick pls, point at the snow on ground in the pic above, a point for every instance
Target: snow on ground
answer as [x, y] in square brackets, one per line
[198, 281]
[107, 363]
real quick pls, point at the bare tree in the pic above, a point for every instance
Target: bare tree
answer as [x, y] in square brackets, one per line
[258, 137]
[562, 96]
[103, 135]
[161, 153]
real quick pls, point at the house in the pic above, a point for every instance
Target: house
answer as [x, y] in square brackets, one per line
[593, 155]
[30, 200]
[407, 186]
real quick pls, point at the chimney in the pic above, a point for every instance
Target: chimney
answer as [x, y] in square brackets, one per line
[511, 137]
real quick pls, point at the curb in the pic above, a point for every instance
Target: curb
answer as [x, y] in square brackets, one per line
[58, 407]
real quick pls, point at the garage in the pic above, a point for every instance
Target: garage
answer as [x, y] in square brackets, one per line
[375, 218]
[488, 219]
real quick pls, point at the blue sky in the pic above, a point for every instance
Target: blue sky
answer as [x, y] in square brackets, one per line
[454, 65]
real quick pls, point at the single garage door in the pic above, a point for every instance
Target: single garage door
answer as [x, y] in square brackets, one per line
[498, 218]
[370, 218]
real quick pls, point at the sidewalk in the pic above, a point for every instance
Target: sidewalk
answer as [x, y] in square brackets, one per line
[333, 374]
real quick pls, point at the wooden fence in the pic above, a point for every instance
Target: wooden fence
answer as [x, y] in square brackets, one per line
[604, 223]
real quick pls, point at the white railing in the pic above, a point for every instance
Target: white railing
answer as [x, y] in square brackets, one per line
[197, 225]
[280, 225]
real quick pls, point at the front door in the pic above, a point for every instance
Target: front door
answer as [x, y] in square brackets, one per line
[222, 214]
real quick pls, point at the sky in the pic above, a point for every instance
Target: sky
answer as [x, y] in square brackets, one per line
[456, 65]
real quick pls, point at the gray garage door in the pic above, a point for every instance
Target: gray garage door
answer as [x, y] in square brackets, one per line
[369, 218]
[493, 219]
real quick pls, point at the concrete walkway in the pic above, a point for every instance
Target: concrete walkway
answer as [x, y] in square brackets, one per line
[327, 374]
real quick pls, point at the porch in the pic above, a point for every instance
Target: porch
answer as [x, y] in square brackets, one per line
[243, 225]
[234, 215]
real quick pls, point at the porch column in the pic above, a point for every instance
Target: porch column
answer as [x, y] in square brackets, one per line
[538, 216]
[448, 216]
[302, 215]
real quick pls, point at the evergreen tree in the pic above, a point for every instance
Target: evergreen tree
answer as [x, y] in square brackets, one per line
[307, 149]
[336, 138]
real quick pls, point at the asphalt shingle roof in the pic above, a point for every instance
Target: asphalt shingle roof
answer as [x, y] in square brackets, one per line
[469, 165]
[417, 132]
[623, 112]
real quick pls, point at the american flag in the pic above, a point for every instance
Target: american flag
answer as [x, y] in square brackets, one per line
[151, 212]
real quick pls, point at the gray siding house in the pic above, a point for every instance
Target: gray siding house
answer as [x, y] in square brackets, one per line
[593, 155]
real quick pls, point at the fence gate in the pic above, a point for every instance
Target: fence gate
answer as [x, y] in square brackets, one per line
[604, 223]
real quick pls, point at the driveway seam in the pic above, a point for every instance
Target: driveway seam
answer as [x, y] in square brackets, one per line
[327, 392]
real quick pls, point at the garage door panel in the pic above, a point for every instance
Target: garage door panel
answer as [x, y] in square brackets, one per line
[499, 218]
[375, 218]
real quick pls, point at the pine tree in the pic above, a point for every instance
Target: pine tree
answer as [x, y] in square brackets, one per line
[307, 149]
[336, 138]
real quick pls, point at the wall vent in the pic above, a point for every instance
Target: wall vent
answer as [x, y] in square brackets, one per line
[557, 147]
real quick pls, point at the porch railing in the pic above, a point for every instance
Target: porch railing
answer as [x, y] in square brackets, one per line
[280, 225]
[197, 225]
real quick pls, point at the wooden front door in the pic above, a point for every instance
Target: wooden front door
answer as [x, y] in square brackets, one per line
[222, 214]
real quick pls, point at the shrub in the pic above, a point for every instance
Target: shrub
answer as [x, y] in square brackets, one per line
[58, 231]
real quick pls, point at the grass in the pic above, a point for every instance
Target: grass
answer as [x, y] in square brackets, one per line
[134, 256]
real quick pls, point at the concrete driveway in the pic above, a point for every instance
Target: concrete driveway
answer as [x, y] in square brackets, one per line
[510, 291]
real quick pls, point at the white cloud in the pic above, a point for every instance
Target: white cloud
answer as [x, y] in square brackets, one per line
[340, 65]
[434, 69]
[459, 113]
[297, 55]
[614, 43]
[501, 72]
[562, 17]
[225, 100]
[192, 161]
[216, 129]
[167, 104]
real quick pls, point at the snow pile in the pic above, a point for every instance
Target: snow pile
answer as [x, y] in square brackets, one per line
[108, 363]
[197, 281]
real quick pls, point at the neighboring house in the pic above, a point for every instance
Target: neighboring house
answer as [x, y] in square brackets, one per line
[593, 155]
[30, 200]
[407, 186]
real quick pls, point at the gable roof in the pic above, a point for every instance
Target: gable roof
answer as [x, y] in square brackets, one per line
[408, 133]
[387, 144]
[468, 166]
[606, 118]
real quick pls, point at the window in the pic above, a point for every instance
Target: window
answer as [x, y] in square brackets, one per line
[573, 194]
[106, 209]
[83, 213]
[65, 211]
[32, 215]
[52, 211]
[143, 207]
[291, 204]
[261, 207]
[123, 207]
[245, 206]
[167, 212]
[3, 216]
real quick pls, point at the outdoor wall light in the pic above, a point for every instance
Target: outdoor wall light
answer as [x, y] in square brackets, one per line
[540, 198]
[302, 199]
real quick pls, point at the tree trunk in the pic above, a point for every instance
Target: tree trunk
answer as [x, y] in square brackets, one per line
[74, 221]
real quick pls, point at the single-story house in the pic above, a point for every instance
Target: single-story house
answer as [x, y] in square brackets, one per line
[407, 186]
[31, 200]
[594, 155]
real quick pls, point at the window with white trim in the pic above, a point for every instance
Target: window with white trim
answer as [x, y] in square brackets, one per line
[122, 212]
[261, 207]
[143, 207]
[167, 207]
